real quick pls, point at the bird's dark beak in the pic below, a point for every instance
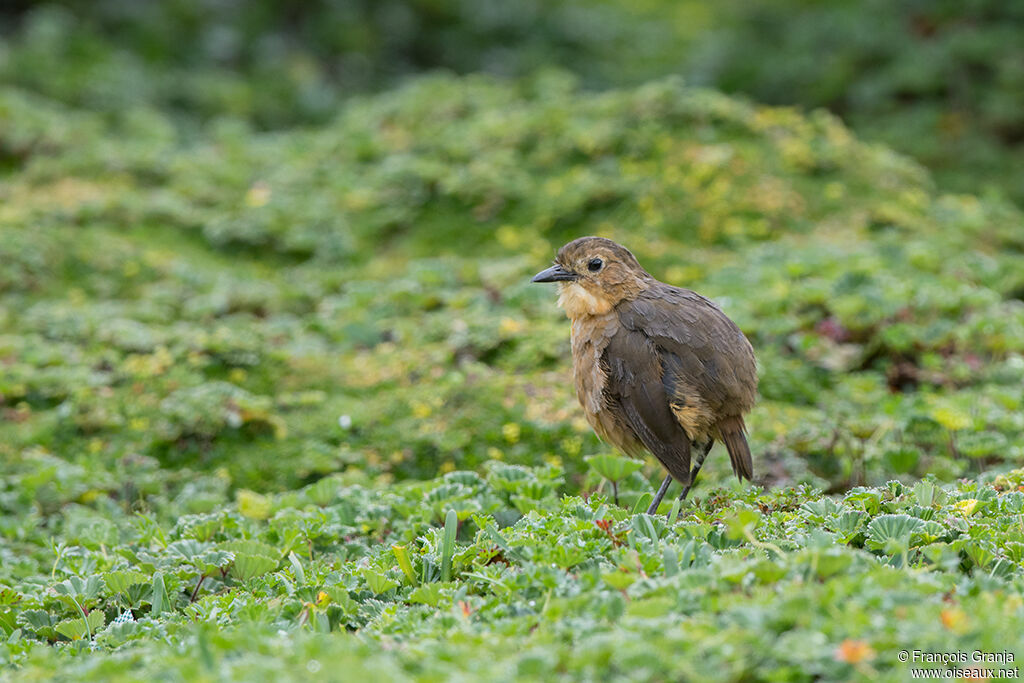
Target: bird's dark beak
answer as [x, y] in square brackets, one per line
[555, 273]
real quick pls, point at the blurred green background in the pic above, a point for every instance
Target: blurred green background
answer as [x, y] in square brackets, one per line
[940, 80]
[264, 279]
[278, 207]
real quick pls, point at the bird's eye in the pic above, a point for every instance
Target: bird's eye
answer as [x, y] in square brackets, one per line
[595, 265]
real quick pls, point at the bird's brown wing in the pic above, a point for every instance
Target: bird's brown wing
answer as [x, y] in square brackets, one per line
[704, 355]
[707, 372]
[633, 382]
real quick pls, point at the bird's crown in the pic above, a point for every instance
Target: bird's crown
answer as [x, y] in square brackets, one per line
[586, 250]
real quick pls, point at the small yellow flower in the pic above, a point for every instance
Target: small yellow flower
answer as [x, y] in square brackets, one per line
[508, 236]
[572, 445]
[90, 496]
[554, 460]
[951, 419]
[509, 326]
[511, 431]
[252, 505]
[954, 619]
[258, 195]
[854, 652]
[966, 507]
[834, 191]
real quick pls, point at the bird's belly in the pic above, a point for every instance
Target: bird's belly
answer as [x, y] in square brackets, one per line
[613, 432]
[589, 338]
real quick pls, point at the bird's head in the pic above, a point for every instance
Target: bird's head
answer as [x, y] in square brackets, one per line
[594, 274]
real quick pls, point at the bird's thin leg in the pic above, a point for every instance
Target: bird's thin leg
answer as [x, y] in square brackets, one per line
[661, 494]
[696, 469]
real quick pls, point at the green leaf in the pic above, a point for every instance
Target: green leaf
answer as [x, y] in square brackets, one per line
[673, 514]
[76, 629]
[768, 572]
[619, 580]
[451, 525]
[211, 562]
[924, 492]
[651, 608]
[982, 444]
[297, 570]
[251, 547]
[8, 620]
[741, 521]
[830, 562]
[647, 527]
[201, 527]
[848, 524]
[9, 597]
[869, 500]
[503, 543]
[891, 533]
[186, 549]
[79, 588]
[979, 553]
[253, 505]
[613, 467]
[39, 622]
[1014, 550]
[377, 582]
[951, 417]
[567, 556]
[927, 533]
[339, 596]
[642, 503]
[159, 600]
[903, 459]
[670, 559]
[401, 554]
[324, 492]
[247, 566]
[429, 594]
[121, 581]
[525, 504]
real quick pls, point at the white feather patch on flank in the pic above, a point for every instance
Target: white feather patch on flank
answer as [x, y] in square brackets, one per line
[578, 302]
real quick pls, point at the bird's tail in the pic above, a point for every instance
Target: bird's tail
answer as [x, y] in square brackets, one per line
[733, 433]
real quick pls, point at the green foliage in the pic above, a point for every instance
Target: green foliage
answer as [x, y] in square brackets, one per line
[153, 313]
[941, 80]
[451, 522]
[543, 593]
[259, 391]
[277, 63]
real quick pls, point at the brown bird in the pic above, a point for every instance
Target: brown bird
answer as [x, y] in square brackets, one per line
[657, 368]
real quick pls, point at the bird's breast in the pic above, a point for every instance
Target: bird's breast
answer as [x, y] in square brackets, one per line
[580, 302]
[590, 336]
